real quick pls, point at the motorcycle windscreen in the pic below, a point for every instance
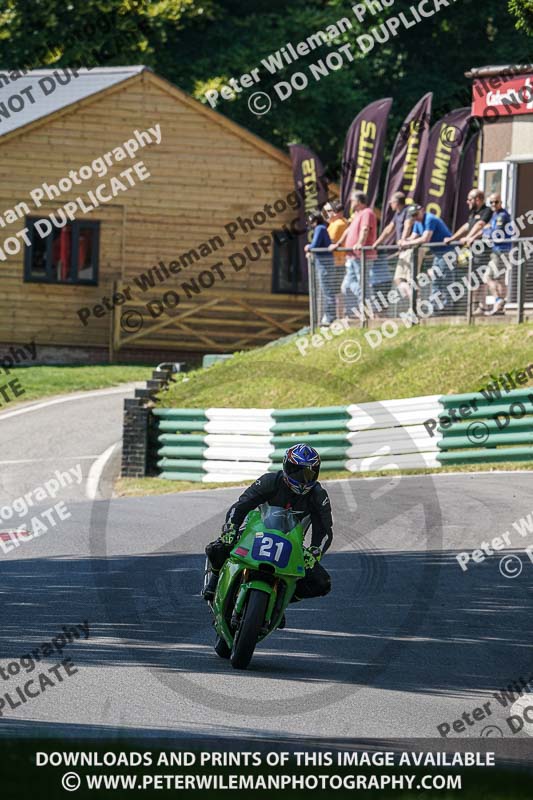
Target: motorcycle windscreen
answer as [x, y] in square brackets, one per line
[277, 518]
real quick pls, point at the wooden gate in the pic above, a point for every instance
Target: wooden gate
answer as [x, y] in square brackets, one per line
[217, 321]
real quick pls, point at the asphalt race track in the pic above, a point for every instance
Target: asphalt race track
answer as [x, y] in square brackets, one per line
[406, 641]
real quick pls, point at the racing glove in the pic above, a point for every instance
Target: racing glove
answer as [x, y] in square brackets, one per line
[229, 533]
[312, 556]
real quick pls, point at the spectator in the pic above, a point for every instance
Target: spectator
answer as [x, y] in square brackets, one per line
[380, 279]
[480, 216]
[324, 265]
[336, 227]
[397, 223]
[400, 226]
[498, 233]
[361, 232]
[430, 228]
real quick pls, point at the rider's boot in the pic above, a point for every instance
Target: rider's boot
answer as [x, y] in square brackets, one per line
[210, 589]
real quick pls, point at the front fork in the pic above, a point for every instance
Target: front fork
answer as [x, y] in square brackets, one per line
[228, 575]
[261, 586]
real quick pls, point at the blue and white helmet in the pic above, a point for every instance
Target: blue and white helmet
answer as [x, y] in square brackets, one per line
[301, 467]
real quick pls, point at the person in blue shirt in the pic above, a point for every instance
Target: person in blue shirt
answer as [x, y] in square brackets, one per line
[498, 232]
[472, 231]
[428, 228]
[324, 265]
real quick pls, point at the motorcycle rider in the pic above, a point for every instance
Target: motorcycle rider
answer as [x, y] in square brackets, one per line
[294, 487]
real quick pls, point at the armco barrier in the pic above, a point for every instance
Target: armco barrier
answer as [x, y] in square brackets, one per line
[492, 426]
[202, 445]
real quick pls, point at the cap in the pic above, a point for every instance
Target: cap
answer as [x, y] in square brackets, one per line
[412, 210]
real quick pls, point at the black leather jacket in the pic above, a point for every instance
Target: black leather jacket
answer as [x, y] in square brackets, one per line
[313, 507]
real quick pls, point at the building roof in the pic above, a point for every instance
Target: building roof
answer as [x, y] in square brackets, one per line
[493, 71]
[87, 83]
[87, 87]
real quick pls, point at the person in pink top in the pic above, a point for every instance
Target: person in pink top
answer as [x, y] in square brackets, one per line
[362, 232]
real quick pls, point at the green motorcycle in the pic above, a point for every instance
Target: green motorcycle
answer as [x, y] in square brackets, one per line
[257, 582]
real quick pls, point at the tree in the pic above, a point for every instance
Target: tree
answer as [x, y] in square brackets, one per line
[523, 11]
[433, 55]
[203, 44]
[50, 33]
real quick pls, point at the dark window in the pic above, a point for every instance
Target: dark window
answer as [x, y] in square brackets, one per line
[287, 277]
[64, 255]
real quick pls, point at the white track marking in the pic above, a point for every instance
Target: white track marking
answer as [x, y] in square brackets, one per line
[66, 399]
[95, 473]
[39, 460]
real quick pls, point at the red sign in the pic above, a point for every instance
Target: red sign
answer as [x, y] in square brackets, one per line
[502, 96]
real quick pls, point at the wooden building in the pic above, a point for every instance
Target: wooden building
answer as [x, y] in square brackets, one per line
[191, 219]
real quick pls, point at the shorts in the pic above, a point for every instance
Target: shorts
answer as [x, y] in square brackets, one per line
[404, 267]
[496, 267]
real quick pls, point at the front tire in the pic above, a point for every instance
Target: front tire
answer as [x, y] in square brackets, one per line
[246, 637]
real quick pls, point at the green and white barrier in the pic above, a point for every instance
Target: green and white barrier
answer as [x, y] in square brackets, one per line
[486, 427]
[220, 444]
[233, 444]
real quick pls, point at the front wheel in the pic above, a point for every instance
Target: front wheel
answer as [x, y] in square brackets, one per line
[252, 622]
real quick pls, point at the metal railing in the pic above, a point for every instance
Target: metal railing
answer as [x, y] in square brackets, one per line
[423, 283]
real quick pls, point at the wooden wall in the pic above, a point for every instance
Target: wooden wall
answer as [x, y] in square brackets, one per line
[203, 175]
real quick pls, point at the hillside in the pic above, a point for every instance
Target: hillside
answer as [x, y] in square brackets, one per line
[440, 359]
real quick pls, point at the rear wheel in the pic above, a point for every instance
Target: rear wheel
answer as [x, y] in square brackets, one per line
[252, 622]
[221, 648]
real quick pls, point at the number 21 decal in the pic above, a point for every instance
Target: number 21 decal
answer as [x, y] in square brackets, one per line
[272, 548]
[266, 549]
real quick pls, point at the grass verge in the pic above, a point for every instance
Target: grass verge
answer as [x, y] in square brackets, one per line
[42, 381]
[431, 359]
